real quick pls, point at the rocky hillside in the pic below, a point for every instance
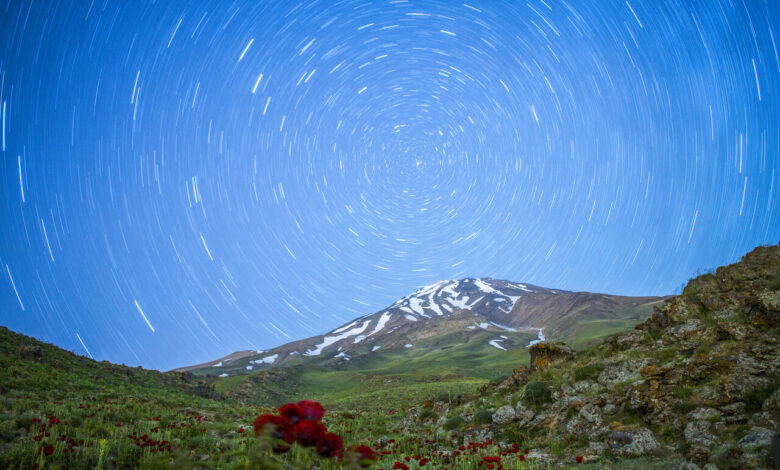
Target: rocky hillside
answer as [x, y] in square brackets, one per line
[697, 385]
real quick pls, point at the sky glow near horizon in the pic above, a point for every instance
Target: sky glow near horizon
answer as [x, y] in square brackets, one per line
[183, 179]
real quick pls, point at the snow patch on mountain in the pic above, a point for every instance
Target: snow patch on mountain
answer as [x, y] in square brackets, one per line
[329, 340]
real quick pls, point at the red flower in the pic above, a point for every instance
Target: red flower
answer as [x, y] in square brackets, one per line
[365, 455]
[312, 410]
[280, 429]
[307, 433]
[47, 449]
[400, 466]
[521, 457]
[579, 459]
[291, 411]
[330, 445]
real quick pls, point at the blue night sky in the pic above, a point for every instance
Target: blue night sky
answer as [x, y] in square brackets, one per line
[184, 179]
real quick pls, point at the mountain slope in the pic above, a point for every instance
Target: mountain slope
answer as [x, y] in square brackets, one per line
[489, 318]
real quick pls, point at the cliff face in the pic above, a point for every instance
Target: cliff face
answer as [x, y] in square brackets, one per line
[697, 384]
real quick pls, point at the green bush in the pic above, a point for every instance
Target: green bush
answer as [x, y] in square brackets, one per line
[453, 423]
[588, 372]
[427, 413]
[483, 417]
[536, 392]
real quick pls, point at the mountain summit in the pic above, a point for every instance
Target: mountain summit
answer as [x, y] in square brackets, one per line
[516, 314]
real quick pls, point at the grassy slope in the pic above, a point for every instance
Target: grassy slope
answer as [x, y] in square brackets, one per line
[453, 363]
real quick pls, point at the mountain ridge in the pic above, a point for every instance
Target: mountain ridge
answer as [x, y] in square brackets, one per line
[469, 303]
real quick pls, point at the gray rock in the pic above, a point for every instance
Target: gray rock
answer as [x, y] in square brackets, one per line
[633, 443]
[591, 413]
[756, 437]
[622, 371]
[688, 466]
[523, 414]
[704, 414]
[504, 415]
[698, 432]
[762, 420]
[610, 409]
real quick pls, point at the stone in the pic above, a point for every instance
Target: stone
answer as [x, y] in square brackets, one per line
[622, 371]
[504, 415]
[610, 409]
[756, 437]
[31, 353]
[544, 354]
[523, 414]
[698, 454]
[591, 413]
[699, 433]
[704, 414]
[633, 442]
[762, 419]
[688, 466]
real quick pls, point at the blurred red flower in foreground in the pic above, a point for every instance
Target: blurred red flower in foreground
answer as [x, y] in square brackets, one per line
[291, 411]
[330, 445]
[365, 455]
[312, 410]
[307, 433]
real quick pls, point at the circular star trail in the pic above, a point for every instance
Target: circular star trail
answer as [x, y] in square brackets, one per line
[183, 179]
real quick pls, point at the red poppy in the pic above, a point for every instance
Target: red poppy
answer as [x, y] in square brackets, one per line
[330, 445]
[365, 455]
[47, 449]
[579, 459]
[291, 411]
[281, 429]
[307, 433]
[312, 410]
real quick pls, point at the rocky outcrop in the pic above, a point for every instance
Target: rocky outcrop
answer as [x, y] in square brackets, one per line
[697, 383]
[545, 354]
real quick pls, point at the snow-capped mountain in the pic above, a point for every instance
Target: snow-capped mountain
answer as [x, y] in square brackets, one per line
[517, 313]
[488, 298]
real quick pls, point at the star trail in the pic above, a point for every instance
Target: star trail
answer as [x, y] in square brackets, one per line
[183, 179]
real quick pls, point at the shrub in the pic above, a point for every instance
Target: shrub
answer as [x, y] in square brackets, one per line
[588, 372]
[427, 413]
[483, 417]
[536, 392]
[453, 423]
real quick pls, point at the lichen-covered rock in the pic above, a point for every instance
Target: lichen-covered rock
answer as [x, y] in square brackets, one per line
[504, 415]
[633, 442]
[591, 413]
[622, 371]
[544, 354]
[704, 414]
[699, 432]
[756, 437]
[523, 414]
[698, 454]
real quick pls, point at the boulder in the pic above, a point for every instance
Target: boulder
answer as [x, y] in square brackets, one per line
[504, 415]
[622, 371]
[699, 433]
[545, 354]
[633, 442]
[756, 437]
[523, 414]
[31, 353]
